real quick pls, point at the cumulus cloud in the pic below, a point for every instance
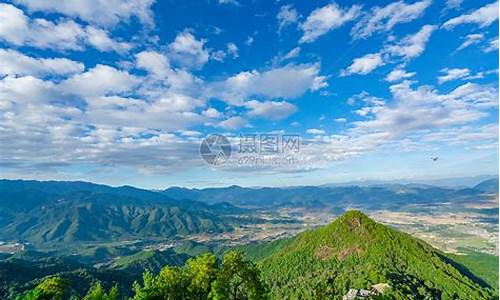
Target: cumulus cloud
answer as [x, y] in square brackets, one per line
[424, 108]
[103, 13]
[16, 63]
[155, 63]
[383, 19]
[99, 81]
[233, 123]
[412, 45]
[287, 16]
[409, 47]
[326, 18]
[101, 40]
[284, 82]
[453, 74]
[483, 17]
[18, 29]
[189, 52]
[398, 74]
[364, 65]
[272, 110]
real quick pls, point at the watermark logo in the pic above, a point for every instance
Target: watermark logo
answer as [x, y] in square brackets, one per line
[251, 150]
[215, 149]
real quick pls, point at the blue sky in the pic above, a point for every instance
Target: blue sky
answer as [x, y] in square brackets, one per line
[123, 92]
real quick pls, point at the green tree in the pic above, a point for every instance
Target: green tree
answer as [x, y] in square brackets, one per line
[193, 281]
[201, 272]
[238, 279]
[53, 288]
[97, 292]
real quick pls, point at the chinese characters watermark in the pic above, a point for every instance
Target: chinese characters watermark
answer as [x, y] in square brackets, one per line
[251, 149]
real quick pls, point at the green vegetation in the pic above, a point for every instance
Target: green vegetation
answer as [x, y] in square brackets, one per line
[258, 251]
[55, 215]
[356, 252]
[152, 260]
[485, 266]
[200, 278]
[353, 252]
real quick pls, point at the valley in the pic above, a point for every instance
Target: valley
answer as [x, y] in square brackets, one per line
[123, 231]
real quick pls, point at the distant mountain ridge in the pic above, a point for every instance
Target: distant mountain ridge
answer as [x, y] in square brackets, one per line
[381, 196]
[489, 186]
[54, 212]
[45, 213]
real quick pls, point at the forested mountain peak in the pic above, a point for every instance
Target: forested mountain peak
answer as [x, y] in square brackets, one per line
[355, 252]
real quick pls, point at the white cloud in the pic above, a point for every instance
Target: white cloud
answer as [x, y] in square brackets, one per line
[232, 50]
[233, 123]
[27, 90]
[271, 110]
[471, 39]
[101, 40]
[412, 45]
[289, 55]
[292, 53]
[99, 81]
[104, 13]
[423, 108]
[492, 46]
[453, 4]
[287, 16]
[212, 113]
[340, 120]
[285, 82]
[16, 63]
[163, 77]
[187, 51]
[315, 131]
[364, 65]
[382, 19]
[18, 29]
[399, 74]
[232, 2]
[483, 16]
[453, 74]
[326, 18]
[249, 41]
[218, 55]
[155, 63]
[409, 47]
[190, 133]
[476, 96]
[173, 102]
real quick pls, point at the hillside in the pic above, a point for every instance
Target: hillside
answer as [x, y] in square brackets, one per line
[488, 186]
[51, 213]
[355, 252]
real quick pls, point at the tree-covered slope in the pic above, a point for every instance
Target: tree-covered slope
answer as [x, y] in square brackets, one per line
[356, 252]
[51, 213]
[148, 260]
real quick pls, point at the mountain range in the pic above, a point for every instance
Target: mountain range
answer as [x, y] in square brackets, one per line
[353, 253]
[44, 213]
[51, 213]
